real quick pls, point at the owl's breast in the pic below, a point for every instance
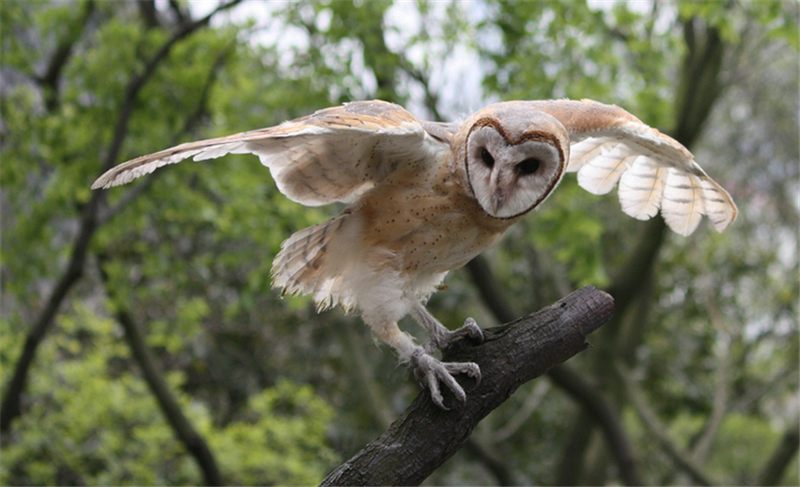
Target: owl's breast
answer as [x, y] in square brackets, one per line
[431, 230]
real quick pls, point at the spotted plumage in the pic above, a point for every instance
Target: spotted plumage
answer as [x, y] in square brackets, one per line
[425, 198]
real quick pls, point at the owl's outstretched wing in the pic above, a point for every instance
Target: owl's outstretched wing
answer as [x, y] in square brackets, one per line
[335, 154]
[654, 171]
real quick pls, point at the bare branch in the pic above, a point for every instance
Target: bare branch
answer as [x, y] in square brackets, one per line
[136, 83]
[425, 436]
[648, 416]
[127, 198]
[722, 373]
[376, 402]
[180, 424]
[571, 465]
[147, 9]
[51, 78]
[191, 121]
[605, 415]
[488, 458]
[700, 84]
[489, 290]
[523, 413]
[11, 407]
[757, 392]
[783, 455]
[627, 283]
[578, 388]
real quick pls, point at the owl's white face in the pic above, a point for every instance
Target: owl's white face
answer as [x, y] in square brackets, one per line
[511, 177]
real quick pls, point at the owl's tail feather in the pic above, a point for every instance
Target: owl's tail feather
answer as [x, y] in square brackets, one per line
[302, 266]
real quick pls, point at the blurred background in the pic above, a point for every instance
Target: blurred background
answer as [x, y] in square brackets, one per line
[141, 343]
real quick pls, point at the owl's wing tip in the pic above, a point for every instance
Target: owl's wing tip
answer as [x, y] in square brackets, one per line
[721, 226]
[107, 180]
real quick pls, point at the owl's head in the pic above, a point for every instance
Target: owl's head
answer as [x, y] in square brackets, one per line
[514, 157]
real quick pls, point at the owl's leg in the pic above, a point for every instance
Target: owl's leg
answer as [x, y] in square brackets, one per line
[428, 370]
[441, 337]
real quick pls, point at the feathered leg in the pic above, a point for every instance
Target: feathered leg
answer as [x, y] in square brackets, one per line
[441, 337]
[428, 370]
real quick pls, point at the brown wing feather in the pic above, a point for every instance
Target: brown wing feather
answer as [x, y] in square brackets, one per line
[335, 154]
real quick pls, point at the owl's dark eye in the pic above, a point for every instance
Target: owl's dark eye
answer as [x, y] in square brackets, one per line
[528, 166]
[487, 158]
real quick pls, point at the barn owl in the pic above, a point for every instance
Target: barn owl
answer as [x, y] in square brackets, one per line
[425, 198]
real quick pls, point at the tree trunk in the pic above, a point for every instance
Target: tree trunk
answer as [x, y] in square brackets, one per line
[425, 436]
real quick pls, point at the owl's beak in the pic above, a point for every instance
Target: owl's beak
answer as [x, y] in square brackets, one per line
[500, 194]
[498, 199]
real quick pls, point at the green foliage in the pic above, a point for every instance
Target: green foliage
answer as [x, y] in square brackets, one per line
[189, 252]
[280, 441]
[92, 420]
[579, 243]
[742, 447]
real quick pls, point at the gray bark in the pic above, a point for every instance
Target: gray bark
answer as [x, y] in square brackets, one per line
[425, 436]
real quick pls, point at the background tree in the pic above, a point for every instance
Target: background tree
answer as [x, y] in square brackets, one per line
[698, 371]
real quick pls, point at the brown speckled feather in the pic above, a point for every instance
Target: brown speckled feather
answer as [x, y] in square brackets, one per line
[426, 197]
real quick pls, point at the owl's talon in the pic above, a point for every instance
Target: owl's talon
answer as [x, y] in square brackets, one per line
[471, 329]
[429, 371]
[443, 338]
[469, 368]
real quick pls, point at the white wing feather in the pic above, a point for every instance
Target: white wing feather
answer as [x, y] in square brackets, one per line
[654, 172]
[600, 174]
[682, 205]
[641, 188]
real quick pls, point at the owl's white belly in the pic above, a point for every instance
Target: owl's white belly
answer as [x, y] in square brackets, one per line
[391, 250]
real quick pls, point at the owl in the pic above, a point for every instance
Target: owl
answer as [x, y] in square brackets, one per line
[426, 197]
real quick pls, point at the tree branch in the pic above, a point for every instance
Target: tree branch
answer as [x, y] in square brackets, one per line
[722, 377]
[51, 78]
[183, 429]
[191, 122]
[627, 283]
[566, 378]
[700, 86]
[136, 83]
[783, 455]
[522, 414]
[605, 415]
[649, 418]
[490, 460]
[701, 68]
[11, 407]
[425, 436]
[489, 289]
[375, 400]
[571, 465]
[147, 9]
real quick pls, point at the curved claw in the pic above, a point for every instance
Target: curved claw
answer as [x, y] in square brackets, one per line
[442, 338]
[429, 371]
[469, 368]
[471, 329]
